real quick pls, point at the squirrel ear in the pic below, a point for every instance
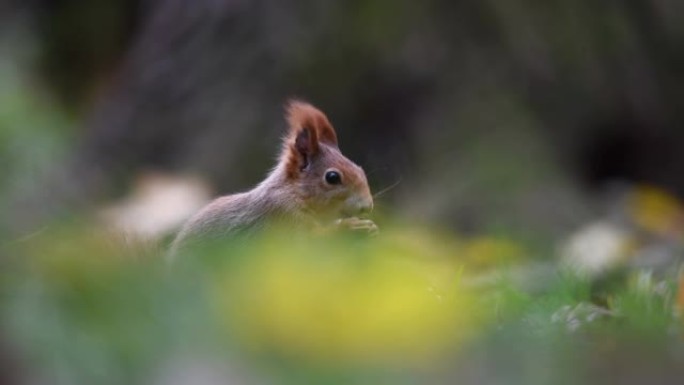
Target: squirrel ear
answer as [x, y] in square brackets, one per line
[301, 114]
[305, 145]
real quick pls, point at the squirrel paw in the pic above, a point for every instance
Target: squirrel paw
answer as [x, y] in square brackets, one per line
[358, 224]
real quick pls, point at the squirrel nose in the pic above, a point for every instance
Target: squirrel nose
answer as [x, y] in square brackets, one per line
[358, 206]
[366, 208]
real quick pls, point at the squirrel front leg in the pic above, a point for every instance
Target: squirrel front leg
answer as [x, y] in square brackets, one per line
[341, 225]
[355, 224]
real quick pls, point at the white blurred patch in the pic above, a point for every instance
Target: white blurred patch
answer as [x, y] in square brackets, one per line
[158, 205]
[595, 247]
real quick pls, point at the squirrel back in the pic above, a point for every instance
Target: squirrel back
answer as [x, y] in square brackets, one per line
[313, 183]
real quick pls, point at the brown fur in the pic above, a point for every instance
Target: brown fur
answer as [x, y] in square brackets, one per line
[295, 192]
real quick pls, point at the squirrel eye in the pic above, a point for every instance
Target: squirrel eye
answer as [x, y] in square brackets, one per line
[333, 177]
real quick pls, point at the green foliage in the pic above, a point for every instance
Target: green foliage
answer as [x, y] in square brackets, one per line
[400, 308]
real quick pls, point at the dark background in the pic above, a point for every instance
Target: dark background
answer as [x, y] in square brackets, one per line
[489, 115]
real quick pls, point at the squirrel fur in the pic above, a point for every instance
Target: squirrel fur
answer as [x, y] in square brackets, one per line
[300, 190]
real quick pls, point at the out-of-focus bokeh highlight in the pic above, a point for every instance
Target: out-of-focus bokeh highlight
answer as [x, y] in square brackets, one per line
[526, 158]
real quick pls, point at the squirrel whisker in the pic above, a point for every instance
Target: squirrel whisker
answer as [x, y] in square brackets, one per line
[388, 188]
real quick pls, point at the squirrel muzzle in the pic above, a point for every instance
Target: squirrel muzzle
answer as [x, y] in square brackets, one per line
[358, 205]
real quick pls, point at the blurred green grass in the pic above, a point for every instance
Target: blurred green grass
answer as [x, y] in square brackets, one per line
[82, 308]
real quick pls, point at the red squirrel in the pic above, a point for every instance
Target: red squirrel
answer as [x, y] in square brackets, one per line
[313, 186]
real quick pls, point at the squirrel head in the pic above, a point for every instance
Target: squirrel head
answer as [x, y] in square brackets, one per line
[329, 183]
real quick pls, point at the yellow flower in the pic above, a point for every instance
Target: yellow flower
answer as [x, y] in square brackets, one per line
[656, 210]
[350, 302]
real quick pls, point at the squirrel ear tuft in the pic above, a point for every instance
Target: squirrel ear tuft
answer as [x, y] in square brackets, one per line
[301, 114]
